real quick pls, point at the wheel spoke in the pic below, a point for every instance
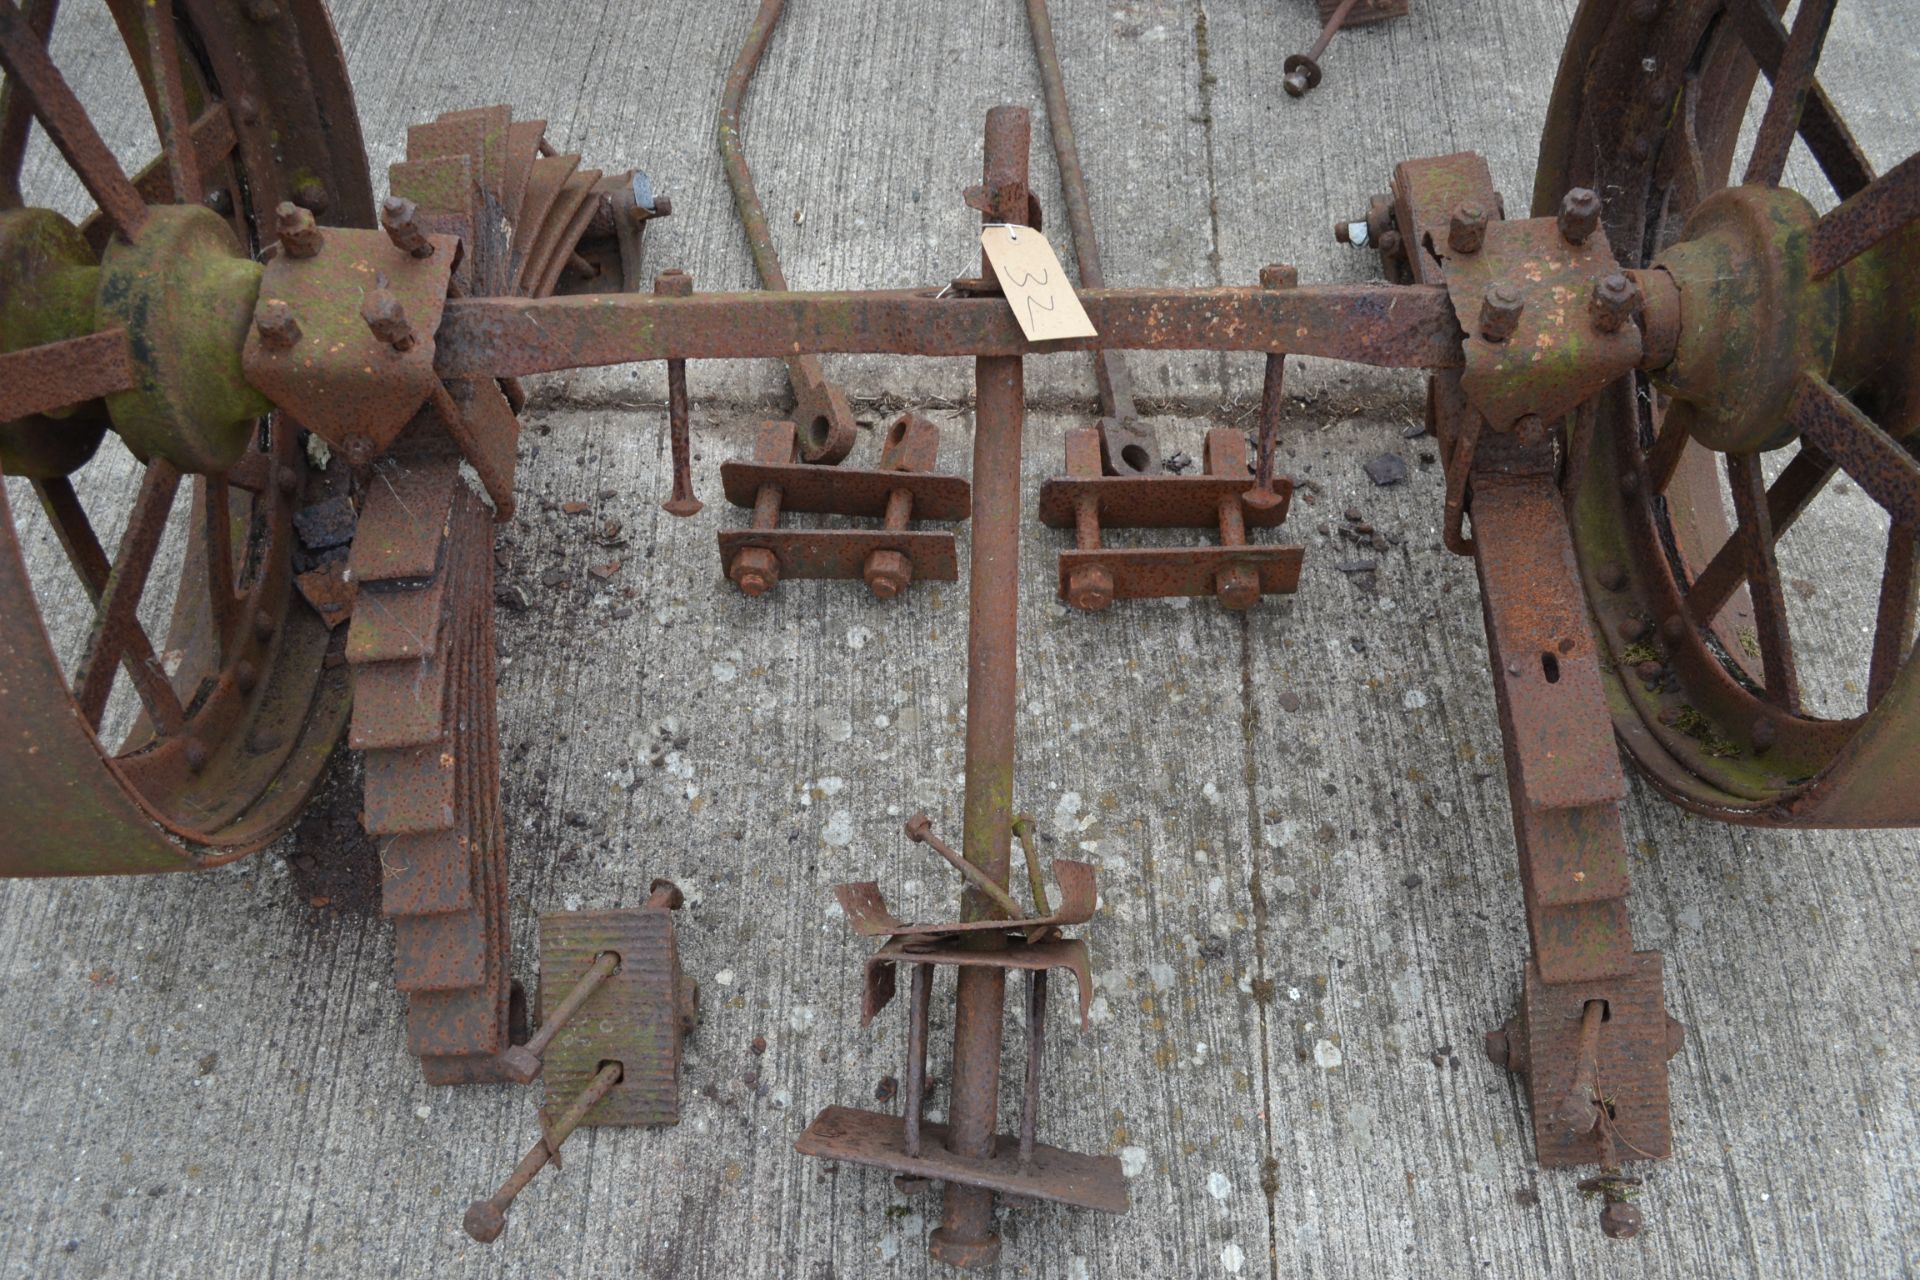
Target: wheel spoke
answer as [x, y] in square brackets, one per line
[1865, 219]
[1790, 87]
[219, 552]
[115, 621]
[67, 123]
[1821, 127]
[1755, 530]
[1668, 447]
[1893, 628]
[213, 142]
[57, 374]
[1797, 485]
[170, 97]
[1875, 461]
[16, 113]
[89, 561]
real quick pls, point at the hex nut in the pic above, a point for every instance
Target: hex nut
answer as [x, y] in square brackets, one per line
[1500, 312]
[1579, 215]
[1467, 228]
[1616, 298]
[274, 321]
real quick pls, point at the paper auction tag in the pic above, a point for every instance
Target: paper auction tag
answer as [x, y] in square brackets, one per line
[1035, 284]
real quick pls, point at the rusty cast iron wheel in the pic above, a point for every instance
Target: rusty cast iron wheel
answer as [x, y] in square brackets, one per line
[1810, 353]
[241, 700]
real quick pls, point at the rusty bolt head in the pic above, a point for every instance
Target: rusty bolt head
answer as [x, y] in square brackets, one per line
[1650, 671]
[755, 570]
[400, 218]
[1579, 215]
[1764, 735]
[1280, 276]
[196, 754]
[1090, 588]
[245, 675]
[485, 1221]
[1390, 243]
[299, 235]
[1616, 298]
[220, 200]
[274, 321]
[1633, 629]
[1674, 629]
[1467, 228]
[1500, 312]
[1237, 587]
[1612, 576]
[518, 1064]
[388, 320]
[918, 828]
[887, 573]
[287, 480]
[673, 283]
[1620, 1220]
[263, 625]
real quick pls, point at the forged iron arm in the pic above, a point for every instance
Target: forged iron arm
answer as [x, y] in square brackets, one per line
[1392, 326]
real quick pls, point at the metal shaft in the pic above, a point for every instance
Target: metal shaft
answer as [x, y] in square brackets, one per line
[486, 1218]
[1328, 32]
[678, 284]
[827, 430]
[922, 989]
[966, 1237]
[1109, 367]
[1272, 392]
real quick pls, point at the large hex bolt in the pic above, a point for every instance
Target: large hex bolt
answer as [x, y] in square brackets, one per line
[1467, 228]
[756, 570]
[388, 320]
[912, 443]
[1616, 297]
[1500, 312]
[299, 234]
[1579, 215]
[273, 319]
[400, 218]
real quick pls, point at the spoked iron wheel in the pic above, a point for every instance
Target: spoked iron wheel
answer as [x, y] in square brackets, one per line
[1791, 332]
[130, 323]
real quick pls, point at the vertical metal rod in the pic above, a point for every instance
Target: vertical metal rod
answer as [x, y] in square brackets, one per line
[1273, 391]
[1109, 367]
[917, 1054]
[678, 284]
[966, 1237]
[1036, 1039]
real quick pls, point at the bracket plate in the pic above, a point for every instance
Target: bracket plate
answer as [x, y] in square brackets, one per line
[1634, 1045]
[637, 1017]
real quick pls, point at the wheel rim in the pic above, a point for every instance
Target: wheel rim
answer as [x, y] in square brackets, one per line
[240, 703]
[1703, 681]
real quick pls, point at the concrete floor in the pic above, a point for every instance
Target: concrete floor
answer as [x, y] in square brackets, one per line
[1310, 911]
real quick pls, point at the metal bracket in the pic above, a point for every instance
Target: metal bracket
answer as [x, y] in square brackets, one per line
[902, 489]
[1093, 577]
